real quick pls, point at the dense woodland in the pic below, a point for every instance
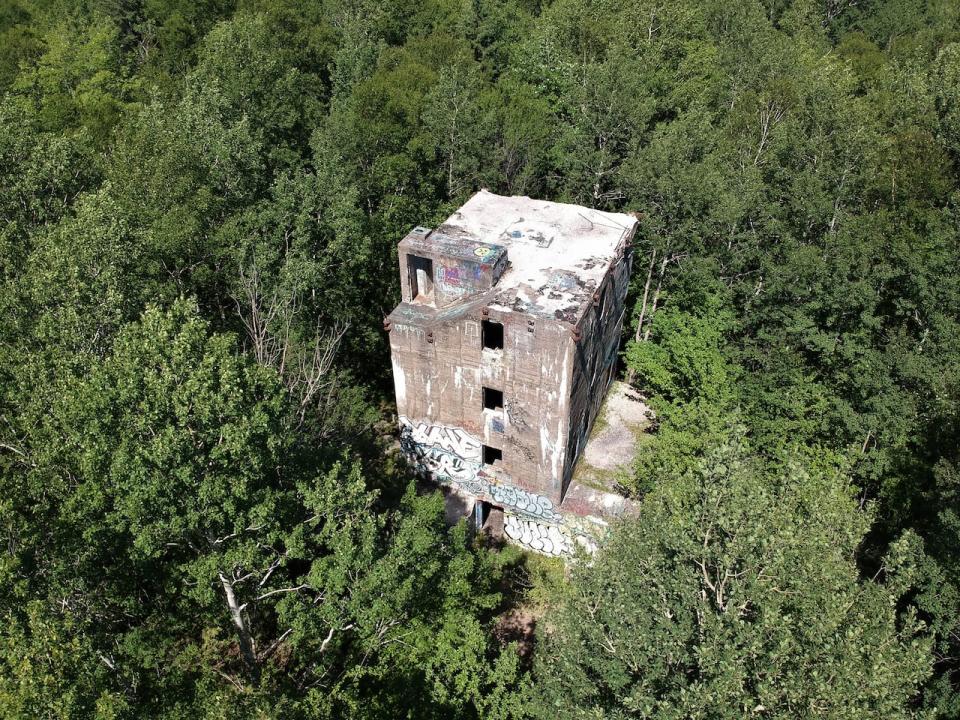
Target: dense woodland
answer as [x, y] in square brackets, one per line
[200, 509]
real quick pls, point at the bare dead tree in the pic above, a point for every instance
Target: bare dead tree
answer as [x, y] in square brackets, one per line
[313, 382]
[247, 646]
[238, 583]
[245, 588]
[306, 368]
[834, 8]
[260, 318]
[646, 294]
[656, 294]
[770, 115]
[648, 310]
[631, 373]
[648, 307]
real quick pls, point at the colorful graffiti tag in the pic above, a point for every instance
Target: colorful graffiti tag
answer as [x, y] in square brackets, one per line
[484, 253]
[452, 455]
[458, 279]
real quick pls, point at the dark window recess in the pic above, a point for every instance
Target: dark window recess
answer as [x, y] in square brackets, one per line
[492, 399]
[491, 455]
[492, 335]
[421, 277]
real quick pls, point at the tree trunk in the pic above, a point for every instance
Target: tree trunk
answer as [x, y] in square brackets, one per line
[247, 648]
[646, 294]
[643, 308]
[656, 294]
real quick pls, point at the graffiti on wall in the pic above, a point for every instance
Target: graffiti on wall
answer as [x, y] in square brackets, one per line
[517, 414]
[450, 439]
[447, 454]
[546, 538]
[521, 448]
[525, 502]
[485, 253]
[458, 279]
[452, 455]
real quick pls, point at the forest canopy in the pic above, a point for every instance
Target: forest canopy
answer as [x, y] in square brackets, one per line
[201, 511]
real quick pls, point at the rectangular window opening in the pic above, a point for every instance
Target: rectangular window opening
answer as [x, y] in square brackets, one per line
[421, 277]
[492, 399]
[492, 455]
[492, 335]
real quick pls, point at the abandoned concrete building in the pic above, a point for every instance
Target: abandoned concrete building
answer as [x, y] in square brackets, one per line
[503, 347]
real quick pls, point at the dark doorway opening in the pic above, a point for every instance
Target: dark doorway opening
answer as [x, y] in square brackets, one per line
[481, 510]
[492, 335]
[421, 277]
[492, 399]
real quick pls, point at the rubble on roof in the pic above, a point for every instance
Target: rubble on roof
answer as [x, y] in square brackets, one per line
[557, 254]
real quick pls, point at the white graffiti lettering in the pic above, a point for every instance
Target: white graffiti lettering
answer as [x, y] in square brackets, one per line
[547, 538]
[525, 502]
[452, 455]
[451, 439]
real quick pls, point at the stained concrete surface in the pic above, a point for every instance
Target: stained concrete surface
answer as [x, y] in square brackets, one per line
[612, 446]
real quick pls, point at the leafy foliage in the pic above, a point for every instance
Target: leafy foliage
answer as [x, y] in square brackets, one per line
[734, 593]
[200, 203]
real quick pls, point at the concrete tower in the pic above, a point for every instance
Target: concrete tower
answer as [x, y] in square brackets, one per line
[504, 345]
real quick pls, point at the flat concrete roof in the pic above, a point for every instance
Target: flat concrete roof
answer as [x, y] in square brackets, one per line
[558, 253]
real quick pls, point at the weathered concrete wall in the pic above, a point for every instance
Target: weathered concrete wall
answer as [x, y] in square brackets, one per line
[452, 456]
[595, 356]
[555, 277]
[553, 378]
[440, 369]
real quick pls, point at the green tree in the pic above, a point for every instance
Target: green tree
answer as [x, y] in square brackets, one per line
[194, 550]
[735, 592]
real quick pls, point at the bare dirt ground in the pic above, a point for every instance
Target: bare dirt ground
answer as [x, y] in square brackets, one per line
[518, 625]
